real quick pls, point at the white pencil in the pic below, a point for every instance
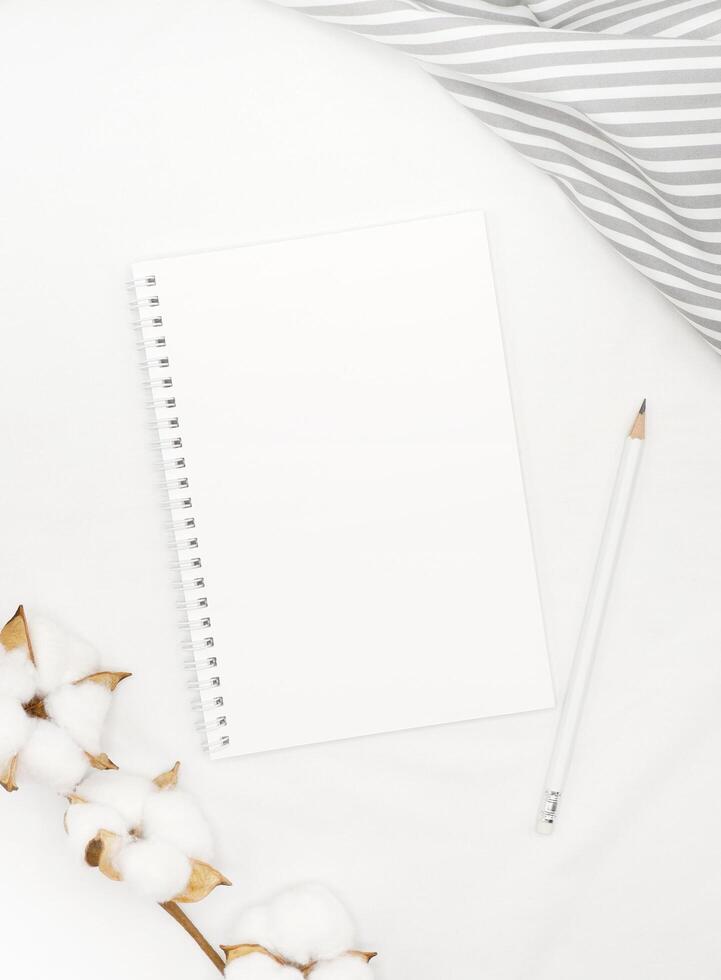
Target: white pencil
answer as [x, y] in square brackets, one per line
[591, 627]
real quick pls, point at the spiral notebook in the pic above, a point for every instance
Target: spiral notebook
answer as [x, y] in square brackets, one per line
[350, 532]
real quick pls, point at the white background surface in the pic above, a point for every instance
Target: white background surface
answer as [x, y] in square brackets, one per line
[141, 129]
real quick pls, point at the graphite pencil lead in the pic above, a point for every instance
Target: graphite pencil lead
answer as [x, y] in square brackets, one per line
[642, 409]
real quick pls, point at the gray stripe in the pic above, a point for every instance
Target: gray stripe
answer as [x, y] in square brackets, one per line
[570, 8]
[442, 22]
[356, 8]
[685, 127]
[673, 20]
[420, 26]
[698, 76]
[700, 152]
[651, 103]
[523, 16]
[610, 55]
[707, 31]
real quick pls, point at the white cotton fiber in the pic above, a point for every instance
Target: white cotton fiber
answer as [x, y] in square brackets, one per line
[304, 923]
[124, 792]
[51, 757]
[17, 674]
[311, 923]
[343, 968]
[84, 820]
[15, 728]
[81, 710]
[258, 966]
[158, 871]
[254, 926]
[60, 656]
[175, 818]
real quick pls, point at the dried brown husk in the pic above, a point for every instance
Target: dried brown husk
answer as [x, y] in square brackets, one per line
[99, 853]
[169, 779]
[101, 761]
[106, 678]
[203, 879]
[246, 949]
[15, 634]
[7, 777]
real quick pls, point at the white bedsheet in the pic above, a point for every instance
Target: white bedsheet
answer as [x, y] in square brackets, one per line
[133, 132]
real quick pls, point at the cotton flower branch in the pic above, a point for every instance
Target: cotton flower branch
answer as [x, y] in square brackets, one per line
[146, 832]
[149, 834]
[53, 705]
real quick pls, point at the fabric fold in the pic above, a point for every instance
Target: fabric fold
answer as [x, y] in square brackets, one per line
[619, 102]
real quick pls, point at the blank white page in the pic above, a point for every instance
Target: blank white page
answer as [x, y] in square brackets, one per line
[350, 447]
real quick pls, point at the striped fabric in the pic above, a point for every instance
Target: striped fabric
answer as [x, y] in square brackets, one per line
[618, 100]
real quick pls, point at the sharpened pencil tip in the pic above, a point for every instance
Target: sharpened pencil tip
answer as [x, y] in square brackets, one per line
[638, 429]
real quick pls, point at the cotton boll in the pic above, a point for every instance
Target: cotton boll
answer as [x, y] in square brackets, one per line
[122, 791]
[174, 817]
[15, 728]
[84, 820]
[309, 923]
[303, 924]
[347, 967]
[18, 678]
[51, 757]
[81, 710]
[258, 966]
[60, 656]
[156, 870]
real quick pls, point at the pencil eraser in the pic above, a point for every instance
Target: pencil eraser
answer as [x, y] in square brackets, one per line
[544, 827]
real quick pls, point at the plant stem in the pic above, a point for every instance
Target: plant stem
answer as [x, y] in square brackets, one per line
[174, 910]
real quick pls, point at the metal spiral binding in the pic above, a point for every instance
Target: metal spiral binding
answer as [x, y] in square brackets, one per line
[197, 644]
